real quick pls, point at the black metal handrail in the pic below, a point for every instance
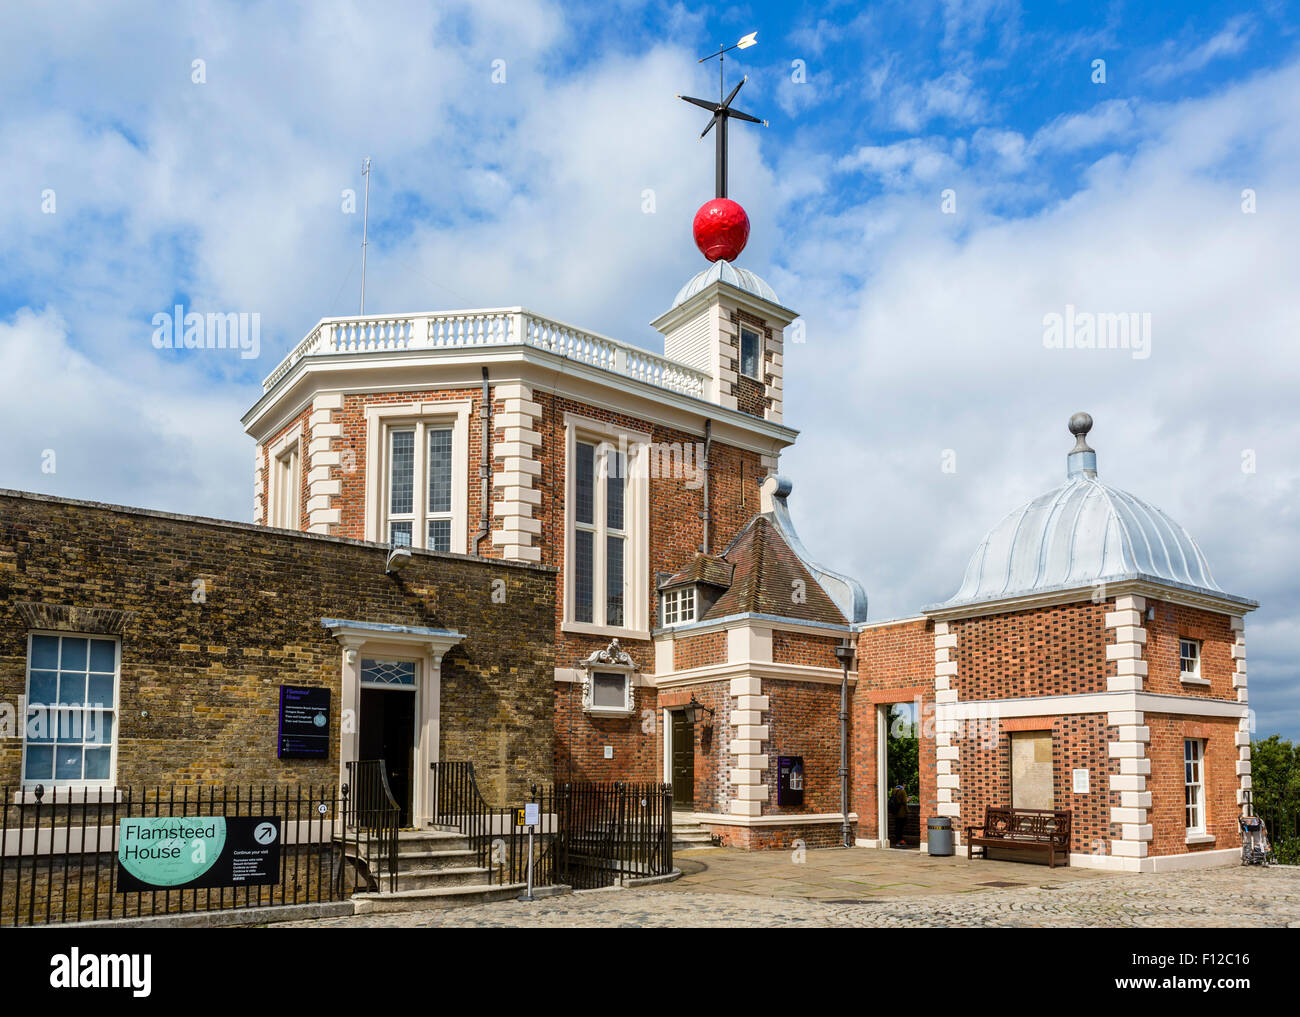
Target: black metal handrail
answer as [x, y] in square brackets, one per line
[590, 834]
[500, 844]
[371, 818]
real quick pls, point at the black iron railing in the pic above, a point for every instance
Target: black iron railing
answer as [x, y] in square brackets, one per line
[371, 818]
[499, 842]
[589, 834]
[58, 849]
[611, 832]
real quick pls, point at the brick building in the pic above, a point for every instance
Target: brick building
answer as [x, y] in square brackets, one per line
[605, 583]
[1088, 662]
[151, 648]
[649, 484]
[694, 636]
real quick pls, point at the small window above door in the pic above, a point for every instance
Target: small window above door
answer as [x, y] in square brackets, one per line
[381, 674]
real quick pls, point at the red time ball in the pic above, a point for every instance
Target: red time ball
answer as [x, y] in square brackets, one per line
[721, 229]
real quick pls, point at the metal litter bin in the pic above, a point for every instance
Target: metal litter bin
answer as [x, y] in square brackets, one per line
[939, 835]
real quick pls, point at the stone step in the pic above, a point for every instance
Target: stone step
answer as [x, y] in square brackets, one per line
[413, 842]
[427, 879]
[433, 899]
[417, 860]
[416, 841]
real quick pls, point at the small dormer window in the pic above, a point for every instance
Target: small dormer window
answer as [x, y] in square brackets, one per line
[750, 352]
[679, 606]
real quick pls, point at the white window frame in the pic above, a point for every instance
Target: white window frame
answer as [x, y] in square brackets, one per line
[116, 712]
[1190, 677]
[1194, 787]
[284, 466]
[758, 352]
[636, 529]
[675, 607]
[420, 417]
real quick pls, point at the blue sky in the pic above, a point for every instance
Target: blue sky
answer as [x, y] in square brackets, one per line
[924, 326]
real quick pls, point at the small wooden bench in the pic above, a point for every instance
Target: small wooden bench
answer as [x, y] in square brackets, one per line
[1022, 829]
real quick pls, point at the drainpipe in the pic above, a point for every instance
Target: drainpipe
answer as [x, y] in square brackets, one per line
[844, 653]
[708, 448]
[484, 465]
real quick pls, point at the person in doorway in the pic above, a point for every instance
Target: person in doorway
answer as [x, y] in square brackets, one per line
[898, 810]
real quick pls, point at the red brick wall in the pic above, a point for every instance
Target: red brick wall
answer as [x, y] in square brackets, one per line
[1174, 621]
[779, 838]
[1078, 740]
[804, 721]
[1045, 651]
[676, 531]
[1166, 783]
[799, 648]
[894, 663]
[354, 469]
[697, 651]
[580, 739]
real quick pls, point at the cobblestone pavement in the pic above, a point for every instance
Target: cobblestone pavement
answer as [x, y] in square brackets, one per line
[1230, 896]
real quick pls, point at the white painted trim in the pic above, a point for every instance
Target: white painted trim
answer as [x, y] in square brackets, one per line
[379, 419]
[1079, 594]
[116, 711]
[1089, 702]
[357, 643]
[636, 528]
[800, 819]
[754, 669]
[882, 773]
[288, 444]
[359, 373]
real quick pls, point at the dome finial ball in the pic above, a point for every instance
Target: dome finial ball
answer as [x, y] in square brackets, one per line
[1080, 424]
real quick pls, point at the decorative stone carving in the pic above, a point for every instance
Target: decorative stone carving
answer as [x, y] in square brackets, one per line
[613, 661]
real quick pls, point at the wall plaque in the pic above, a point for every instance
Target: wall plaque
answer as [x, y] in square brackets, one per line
[789, 780]
[304, 723]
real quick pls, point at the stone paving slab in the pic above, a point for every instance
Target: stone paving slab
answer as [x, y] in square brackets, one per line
[1229, 897]
[834, 873]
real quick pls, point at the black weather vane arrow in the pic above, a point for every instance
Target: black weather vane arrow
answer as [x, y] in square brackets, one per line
[722, 112]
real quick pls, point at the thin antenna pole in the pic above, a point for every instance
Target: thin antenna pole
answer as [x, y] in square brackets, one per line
[365, 228]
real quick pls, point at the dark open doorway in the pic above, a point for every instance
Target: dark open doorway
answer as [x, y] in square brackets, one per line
[388, 733]
[902, 775]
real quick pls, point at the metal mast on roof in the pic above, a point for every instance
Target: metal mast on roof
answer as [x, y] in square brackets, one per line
[722, 110]
[365, 225]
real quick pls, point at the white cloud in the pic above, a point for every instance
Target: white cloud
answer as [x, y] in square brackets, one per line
[1112, 121]
[158, 438]
[1228, 41]
[952, 96]
[909, 162]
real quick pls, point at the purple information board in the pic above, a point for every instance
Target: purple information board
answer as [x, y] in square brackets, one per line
[304, 723]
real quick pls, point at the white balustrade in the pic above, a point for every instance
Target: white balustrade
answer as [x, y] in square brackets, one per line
[463, 329]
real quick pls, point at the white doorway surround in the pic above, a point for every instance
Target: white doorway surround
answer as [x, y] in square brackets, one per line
[426, 647]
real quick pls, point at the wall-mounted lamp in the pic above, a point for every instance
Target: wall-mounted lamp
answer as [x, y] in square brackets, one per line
[695, 712]
[398, 559]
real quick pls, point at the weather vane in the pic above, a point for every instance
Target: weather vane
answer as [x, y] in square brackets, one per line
[721, 226]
